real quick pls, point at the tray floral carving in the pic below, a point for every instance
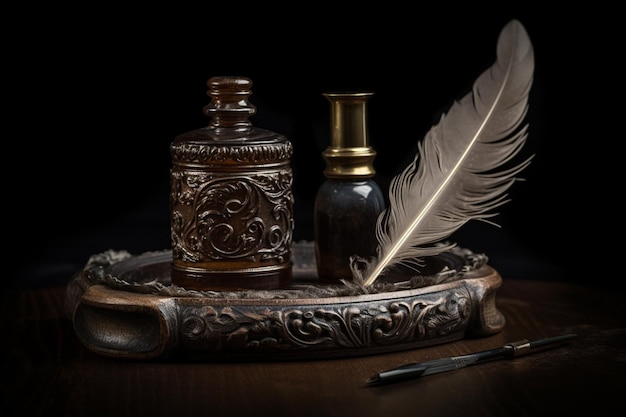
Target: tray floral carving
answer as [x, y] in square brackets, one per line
[124, 306]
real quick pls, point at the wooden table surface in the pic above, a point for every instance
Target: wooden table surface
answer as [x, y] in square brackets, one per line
[48, 372]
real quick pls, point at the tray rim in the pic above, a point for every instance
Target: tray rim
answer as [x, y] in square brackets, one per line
[167, 317]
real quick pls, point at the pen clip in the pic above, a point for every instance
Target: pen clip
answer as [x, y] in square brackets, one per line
[524, 347]
[519, 348]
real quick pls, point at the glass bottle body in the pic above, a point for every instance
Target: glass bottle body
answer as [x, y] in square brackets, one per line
[345, 217]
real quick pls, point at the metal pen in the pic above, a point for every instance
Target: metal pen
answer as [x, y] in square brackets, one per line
[510, 350]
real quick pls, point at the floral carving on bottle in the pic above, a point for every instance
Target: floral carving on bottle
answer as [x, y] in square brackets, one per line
[232, 217]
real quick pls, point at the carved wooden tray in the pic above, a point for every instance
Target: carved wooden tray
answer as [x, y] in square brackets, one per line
[124, 306]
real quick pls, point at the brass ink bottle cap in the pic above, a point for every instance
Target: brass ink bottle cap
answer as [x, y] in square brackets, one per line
[231, 200]
[349, 154]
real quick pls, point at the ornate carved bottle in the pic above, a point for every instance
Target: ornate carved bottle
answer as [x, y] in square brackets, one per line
[348, 203]
[231, 200]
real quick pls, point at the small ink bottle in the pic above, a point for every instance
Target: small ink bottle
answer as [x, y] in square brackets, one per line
[349, 201]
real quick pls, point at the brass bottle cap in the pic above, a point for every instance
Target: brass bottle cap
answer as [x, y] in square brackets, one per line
[349, 154]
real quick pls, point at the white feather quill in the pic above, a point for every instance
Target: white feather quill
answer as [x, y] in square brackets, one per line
[460, 174]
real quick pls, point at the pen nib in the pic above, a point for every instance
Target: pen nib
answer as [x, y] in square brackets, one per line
[373, 380]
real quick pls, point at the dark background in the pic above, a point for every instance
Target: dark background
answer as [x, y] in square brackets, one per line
[95, 98]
